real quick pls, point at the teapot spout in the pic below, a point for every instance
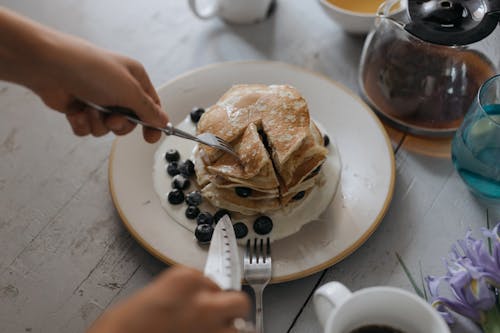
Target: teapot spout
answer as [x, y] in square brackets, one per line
[386, 7]
[391, 10]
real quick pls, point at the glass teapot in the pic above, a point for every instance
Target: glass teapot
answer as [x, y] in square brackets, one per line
[418, 86]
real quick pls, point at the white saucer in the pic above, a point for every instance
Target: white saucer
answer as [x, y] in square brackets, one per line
[363, 196]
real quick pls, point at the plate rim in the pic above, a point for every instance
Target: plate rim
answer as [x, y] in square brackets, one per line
[304, 273]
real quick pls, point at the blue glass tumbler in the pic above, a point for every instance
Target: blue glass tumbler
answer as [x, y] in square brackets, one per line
[475, 149]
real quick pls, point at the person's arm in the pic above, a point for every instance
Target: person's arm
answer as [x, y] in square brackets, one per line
[65, 70]
[181, 300]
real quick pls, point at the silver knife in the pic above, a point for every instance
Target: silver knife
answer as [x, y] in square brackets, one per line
[223, 264]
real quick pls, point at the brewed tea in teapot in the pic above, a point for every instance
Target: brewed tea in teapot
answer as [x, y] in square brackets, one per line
[419, 86]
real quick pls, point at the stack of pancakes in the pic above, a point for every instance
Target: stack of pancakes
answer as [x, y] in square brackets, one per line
[280, 150]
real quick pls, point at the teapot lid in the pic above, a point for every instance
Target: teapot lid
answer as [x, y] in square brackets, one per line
[452, 22]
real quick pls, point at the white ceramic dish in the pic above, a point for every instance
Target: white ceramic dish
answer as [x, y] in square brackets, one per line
[363, 196]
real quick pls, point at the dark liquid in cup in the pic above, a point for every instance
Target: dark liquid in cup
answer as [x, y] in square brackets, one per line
[421, 85]
[376, 329]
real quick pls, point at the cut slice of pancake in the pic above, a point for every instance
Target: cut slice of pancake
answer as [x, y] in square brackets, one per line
[303, 161]
[204, 178]
[255, 168]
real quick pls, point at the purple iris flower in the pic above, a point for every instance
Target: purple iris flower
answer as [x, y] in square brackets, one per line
[470, 279]
[468, 296]
[478, 252]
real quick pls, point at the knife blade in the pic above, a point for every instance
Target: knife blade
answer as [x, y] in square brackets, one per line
[223, 264]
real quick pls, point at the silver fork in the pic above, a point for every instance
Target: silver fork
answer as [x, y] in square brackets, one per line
[204, 138]
[257, 265]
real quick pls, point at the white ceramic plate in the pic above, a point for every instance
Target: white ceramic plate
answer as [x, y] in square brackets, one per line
[363, 196]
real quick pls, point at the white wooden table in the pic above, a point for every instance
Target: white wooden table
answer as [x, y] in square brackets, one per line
[64, 254]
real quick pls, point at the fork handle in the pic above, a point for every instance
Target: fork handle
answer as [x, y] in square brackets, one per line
[259, 313]
[130, 115]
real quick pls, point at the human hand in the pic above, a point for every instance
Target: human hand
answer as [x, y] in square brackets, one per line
[64, 71]
[180, 300]
[81, 72]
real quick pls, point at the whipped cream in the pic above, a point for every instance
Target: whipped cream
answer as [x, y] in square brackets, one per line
[286, 221]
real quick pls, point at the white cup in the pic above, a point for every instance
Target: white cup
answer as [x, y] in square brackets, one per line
[341, 311]
[235, 11]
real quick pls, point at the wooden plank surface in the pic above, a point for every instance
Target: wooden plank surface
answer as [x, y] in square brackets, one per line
[65, 256]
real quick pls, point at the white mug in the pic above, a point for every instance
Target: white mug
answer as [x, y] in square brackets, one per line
[341, 311]
[235, 11]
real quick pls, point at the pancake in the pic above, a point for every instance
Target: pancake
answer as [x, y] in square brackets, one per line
[227, 199]
[319, 189]
[280, 149]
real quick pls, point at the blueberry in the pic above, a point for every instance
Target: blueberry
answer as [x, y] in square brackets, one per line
[192, 212]
[196, 114]
[175, 197]
[240, 230]
[243, 192]
[172, 155]
[220, 213]
[205, 218]
[263, 225]
[299, 195]
[180, 182]
[194, 198]
[186, 168]
[326, 140]
[173, 168]
[203, 233]
[316, 171]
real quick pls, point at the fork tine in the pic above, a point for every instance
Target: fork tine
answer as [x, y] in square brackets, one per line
[223, 143]
[268, 250]
[261, 251]
[248, 257]
[255, 255]
[229, 151]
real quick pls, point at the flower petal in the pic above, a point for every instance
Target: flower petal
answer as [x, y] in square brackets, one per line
[458, 307]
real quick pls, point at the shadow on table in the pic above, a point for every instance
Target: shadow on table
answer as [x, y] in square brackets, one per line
[259, 37]
[353, 46]
[338, 56]
[441, 167]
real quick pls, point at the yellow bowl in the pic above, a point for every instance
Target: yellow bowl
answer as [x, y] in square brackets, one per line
[357, 23]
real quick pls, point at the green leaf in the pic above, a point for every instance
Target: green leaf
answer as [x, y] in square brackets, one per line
[410, 277]
[423, 282]
[491, 323]
[489, 228]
